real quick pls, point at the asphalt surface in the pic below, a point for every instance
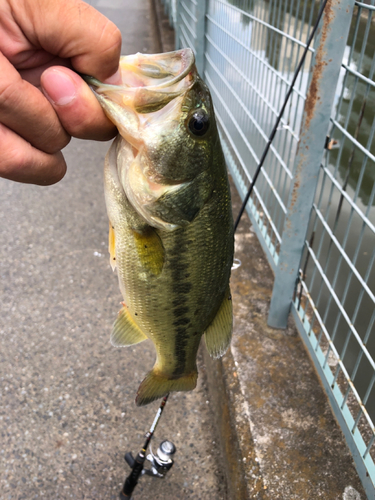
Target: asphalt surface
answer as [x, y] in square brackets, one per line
[67, 412]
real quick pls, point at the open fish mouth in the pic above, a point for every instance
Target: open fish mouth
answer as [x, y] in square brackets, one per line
[149, 81]
[154, 107]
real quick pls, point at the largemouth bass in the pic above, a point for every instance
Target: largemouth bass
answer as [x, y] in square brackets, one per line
[171, 228]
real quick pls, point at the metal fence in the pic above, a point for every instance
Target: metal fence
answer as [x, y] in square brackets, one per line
[313, 204]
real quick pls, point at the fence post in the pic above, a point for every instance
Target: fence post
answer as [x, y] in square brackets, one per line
[177, 26]
[325, 69]
[200, 32]
[170, 12]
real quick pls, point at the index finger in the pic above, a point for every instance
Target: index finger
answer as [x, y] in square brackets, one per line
[73, 30]
[26, 111]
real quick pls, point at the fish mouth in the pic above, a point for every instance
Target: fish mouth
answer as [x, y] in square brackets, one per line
[149, 81]
[149, 100]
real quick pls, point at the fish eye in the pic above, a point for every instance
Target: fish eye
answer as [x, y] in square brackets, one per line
[199, 123]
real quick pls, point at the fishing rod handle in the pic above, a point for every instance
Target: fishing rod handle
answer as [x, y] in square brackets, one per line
[132, 479]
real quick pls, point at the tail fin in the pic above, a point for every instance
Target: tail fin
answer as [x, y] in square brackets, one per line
[156, 386]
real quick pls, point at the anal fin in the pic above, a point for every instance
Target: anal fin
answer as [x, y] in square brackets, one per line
[219, 333]
[125, 331]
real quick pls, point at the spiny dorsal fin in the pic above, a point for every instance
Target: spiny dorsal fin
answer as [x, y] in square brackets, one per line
[125, 331]
[219, 333]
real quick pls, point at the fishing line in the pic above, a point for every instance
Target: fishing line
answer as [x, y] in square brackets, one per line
[278, 119]
[137, 463]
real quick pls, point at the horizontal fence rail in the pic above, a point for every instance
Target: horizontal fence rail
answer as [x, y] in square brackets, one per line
[313, 204]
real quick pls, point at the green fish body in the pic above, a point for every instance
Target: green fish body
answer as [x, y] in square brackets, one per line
[171, 227]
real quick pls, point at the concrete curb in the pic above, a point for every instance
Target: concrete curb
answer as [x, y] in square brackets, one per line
[242, 470]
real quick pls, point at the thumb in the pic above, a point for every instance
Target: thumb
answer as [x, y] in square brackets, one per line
[75, 104]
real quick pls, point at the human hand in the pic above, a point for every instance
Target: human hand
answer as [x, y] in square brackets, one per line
[42, 101]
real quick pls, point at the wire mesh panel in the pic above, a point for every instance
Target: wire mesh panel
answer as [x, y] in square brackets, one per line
[336, 293]
[187, 23]
[190, 29]
[252, 49]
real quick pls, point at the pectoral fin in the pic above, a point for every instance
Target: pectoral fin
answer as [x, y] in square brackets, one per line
[219, 333]
[125, 331]
[111, 247]
[150, 250]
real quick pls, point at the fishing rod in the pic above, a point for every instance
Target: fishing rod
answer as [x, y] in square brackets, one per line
[161, 463]
[278, 119]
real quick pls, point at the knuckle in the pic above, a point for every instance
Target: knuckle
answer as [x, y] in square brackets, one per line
[94, 130]
[23, 163]
[110, 43]
[15, 157]
[87, 121]
[10, 93]
[117, 39]
[15, 164]
[53, 140]
[112, 36]
[26, 111]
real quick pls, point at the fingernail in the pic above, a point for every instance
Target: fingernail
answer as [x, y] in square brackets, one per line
[59, 87]
[115, 79]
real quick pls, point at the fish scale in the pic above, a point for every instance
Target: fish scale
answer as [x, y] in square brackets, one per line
[171, 227]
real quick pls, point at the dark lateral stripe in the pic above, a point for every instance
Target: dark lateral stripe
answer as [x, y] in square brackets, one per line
[181, 287]
[180, 311]
[181, 321]
[179, 301]
[180, 351]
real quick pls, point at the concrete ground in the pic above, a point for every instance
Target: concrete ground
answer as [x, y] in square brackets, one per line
[67, 412]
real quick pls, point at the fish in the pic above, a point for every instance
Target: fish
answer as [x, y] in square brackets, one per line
[168, 201]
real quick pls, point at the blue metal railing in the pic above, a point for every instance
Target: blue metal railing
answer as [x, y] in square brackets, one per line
[313, 205]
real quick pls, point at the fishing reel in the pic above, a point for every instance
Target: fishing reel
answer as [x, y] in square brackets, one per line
[160, 463]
